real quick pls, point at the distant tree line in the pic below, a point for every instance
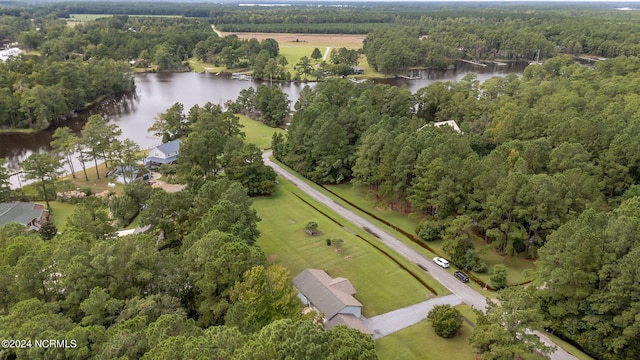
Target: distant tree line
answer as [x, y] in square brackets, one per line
[483, 32]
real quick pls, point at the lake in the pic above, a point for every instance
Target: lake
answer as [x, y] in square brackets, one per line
[155, 93]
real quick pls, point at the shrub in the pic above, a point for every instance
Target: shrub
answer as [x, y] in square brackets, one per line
[311, 227]
[71, 197]
[429, 230]
[445, 320]
[167, 169]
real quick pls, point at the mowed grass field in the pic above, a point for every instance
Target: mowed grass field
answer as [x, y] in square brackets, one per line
[382, 285]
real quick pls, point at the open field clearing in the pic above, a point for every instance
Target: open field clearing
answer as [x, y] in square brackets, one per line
[295, 46]
[315, 40]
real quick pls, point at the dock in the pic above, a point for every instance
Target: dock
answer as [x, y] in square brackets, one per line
[588, 58]
[473, 63]
[407, 77]
[241, 76]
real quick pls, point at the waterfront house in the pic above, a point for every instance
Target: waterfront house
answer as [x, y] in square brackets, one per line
[166, 153]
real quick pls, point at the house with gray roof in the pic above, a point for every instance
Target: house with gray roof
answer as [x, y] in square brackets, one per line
[166, 153]
[334, 298]
[31, 215]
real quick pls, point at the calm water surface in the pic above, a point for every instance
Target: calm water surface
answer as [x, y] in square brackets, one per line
[155, 93]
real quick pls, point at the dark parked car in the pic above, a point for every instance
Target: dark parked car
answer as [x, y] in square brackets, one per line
[461, 276]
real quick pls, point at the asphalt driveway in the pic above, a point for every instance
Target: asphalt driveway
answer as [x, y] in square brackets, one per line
[396, 320]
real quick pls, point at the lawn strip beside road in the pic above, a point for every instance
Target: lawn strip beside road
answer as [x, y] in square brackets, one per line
[467, 294]
[381, 284]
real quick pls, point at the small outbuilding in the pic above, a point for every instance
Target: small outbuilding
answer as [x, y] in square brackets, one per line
[332, 297]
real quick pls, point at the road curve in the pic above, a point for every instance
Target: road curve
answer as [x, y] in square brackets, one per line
[464, 292]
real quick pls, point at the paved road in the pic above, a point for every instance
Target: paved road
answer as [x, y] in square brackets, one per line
[396, 320]
[464, 292]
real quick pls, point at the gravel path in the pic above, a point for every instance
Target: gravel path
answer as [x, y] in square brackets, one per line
[464, 292]
[388, 323]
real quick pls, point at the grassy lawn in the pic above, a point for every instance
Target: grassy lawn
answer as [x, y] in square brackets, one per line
[200, 67]
[294, 51]
[421, 342]
[435, 250]
[61, 211]
[97, 185]
[363, 198]
[258, 133]
[134, 224]
[381, 283]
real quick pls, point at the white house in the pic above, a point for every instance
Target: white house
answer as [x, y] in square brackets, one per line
[166, 153]
[332, 297]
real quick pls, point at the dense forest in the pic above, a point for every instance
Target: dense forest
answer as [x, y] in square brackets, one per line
[538, 156]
